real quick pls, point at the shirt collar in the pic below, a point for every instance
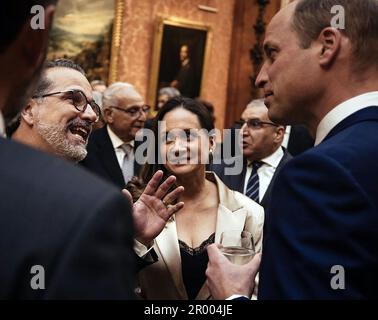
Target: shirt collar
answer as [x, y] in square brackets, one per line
[274, 159]
[116, 141]
[343, 111]
[2, 126]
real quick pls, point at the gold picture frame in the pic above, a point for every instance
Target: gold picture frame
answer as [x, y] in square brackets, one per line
[196, 35]
[116, 40]
[89, 33]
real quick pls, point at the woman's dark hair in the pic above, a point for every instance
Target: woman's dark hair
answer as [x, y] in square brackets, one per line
[149, 169]
[195, 107]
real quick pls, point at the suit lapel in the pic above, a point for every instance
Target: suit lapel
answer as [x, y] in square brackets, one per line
[137, 166]
[286, 157]
[237, 181]
[230, 216]
[238, 184]
[168, 245]
[108, 157]
[226, 220]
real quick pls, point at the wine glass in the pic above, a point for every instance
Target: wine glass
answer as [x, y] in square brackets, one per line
[238, 246]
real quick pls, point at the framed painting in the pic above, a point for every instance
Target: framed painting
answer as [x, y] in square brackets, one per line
[180, 57]
[89, 33]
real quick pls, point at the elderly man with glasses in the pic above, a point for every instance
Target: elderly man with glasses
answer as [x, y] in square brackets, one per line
[111, 148]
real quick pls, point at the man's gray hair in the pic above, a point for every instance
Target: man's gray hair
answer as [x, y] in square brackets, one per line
[260, 103]
[44, 83]
[256, 103]
[97, 97]
[170, 92]
[97, 82]
[112, 93]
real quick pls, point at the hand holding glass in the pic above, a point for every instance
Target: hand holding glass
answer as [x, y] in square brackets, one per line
[238, 246]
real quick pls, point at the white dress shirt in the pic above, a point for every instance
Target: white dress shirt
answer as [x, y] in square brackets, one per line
[119, 150]
[2, 126]
[265, 172]
[343, 111]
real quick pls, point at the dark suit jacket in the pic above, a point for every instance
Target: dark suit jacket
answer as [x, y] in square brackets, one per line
[102, 160]
[300, 140]
[56, 215]
[236, 182]
[324, 212]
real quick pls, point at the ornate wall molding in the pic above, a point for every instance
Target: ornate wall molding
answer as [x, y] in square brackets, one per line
[256, 53]
[116, 41]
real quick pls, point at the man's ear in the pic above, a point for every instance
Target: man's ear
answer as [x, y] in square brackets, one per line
[108, 115]
[330, 43]
[35, 42]
[280, 132]
[28, 114]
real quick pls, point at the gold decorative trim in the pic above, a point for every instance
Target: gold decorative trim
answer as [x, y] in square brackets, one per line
[156, 55]
[116, 40]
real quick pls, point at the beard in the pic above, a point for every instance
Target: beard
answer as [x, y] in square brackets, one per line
[55, 135]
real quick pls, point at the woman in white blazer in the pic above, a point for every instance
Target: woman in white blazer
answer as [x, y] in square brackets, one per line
[182, 148]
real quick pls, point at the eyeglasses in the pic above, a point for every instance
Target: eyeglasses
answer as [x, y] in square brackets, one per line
[187, 135]
[79, 101]
[134, 111]
[255, 123]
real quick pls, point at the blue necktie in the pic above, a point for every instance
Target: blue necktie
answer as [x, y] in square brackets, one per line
[252, 190]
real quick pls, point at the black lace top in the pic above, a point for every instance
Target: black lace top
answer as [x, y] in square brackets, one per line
[194, 264]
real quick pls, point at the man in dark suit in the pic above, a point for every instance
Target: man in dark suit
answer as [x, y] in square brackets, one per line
[262, 156]
[322, 240]
[111, 149]
[299, 139]
[64, 234]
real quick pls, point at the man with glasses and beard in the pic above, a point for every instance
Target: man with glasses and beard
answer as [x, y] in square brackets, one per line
[64, 234]
[111, 148]
[59, 117]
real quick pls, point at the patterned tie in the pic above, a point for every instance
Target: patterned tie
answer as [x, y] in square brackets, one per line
[252, 190]
[128, 163]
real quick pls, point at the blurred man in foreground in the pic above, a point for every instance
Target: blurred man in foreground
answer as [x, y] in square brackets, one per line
[64, 234]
